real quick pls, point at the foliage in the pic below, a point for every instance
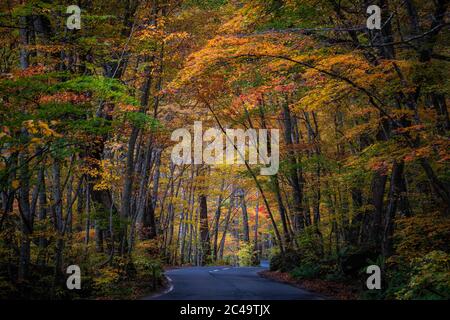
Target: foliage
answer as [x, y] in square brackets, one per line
[306, 271]
[86, 118]
[246, 255]
[428, 278]
[286, 261]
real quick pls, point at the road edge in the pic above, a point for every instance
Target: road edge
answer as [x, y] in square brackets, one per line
[165, 290]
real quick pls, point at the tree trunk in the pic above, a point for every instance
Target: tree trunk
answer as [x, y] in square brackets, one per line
[204, 231]
[246, 229]
[217, 220]
[394, 196]
[297, 191]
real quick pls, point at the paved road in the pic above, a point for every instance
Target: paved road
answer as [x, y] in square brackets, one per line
[228, 283]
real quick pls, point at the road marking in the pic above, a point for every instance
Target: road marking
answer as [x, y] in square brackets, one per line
[216, 270]
[156, 295]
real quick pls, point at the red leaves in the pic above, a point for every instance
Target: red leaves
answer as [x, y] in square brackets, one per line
[285, 88]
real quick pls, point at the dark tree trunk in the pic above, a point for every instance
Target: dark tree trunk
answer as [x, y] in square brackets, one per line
[297, 193]
[394, 195]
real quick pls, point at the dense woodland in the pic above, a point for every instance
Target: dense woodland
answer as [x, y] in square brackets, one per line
[86, 175]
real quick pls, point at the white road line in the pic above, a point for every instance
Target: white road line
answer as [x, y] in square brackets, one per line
[156, 295]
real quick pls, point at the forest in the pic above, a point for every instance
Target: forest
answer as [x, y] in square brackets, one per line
[87, 175]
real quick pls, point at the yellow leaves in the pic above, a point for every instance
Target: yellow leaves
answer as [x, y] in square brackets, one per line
[244, 19]
[36, 141]
[107, 276]
[358, 130]
[107, 172]
[176, 36]
[418, 235]
[152, 33]
[45, 129]
[53, 48]
[149, 33]
[29, 125]
[40, 127]
[15, 184]
[3, 134]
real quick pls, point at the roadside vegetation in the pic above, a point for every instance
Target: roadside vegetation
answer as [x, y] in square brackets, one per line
[87, 176]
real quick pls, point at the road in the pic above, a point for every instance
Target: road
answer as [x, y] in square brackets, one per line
[228, 283]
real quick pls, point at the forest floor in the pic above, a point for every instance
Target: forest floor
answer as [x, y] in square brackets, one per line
[135, 289]
[329, 289]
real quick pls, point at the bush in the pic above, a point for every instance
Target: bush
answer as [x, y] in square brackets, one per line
[285, 262]
[418, 235]
[306, 271]
[429, 278]
[247, 255]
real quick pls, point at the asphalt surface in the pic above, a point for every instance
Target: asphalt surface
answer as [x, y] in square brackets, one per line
[227, 283]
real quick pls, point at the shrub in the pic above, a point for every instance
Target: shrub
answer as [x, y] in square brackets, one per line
[246, 255]
[429, 278]
[306, 271]
[418, 235]
[285, 262]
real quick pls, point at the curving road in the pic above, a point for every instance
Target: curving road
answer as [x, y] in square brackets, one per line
[228, 283]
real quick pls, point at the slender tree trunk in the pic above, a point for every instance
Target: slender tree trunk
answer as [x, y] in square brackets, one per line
[246, 229]
[42, 216]
[394, 196]
[204, 231]
[217, 220]
[297, 191]
[225, 227]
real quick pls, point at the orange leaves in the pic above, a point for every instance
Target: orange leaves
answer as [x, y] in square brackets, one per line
[176, 36]
[379, 166]
[443, 149]
[63, 97]
[414, 128]
[227, 49]
[440, 148]
[31, 71]
[358, 130]
[149, 32]
[122, 107]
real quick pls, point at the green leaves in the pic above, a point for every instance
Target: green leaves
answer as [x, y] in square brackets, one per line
[104, 89]
[141, 120]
